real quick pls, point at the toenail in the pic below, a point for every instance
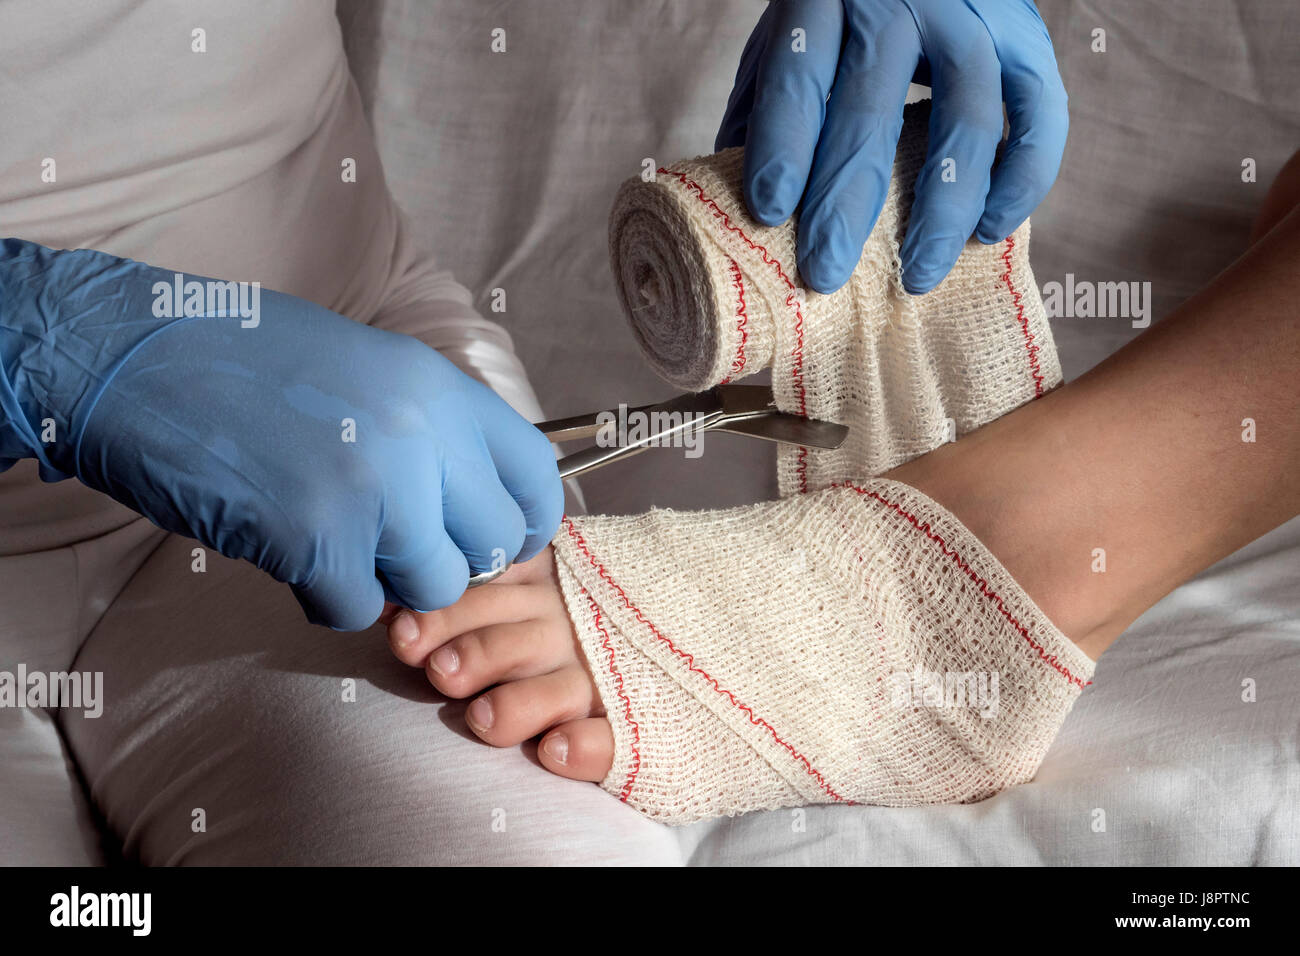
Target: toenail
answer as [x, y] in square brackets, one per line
[480, 714]
[557, 748]
[444, 661]
[404, 628]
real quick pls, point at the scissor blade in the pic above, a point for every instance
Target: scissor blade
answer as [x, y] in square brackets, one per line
[699, 406]
[575, 427]
[666, 422]
[789, 429]
[745, 399]
[589, 459]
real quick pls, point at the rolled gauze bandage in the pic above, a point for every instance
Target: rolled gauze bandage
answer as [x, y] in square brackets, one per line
[713, 296]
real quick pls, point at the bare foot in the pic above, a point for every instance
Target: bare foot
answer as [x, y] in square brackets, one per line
[513, 638]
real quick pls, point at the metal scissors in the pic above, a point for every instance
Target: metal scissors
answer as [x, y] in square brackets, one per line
[740, 409]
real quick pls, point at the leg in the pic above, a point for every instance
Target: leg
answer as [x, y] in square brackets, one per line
[1143, 456]
[65, 553]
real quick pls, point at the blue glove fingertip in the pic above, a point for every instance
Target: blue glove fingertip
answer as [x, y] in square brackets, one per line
[927, 262]
[544, 521]
[996, 224]
[772, 192]
[824, 272]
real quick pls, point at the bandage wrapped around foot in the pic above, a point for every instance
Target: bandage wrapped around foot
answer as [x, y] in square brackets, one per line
[851, 645]
[814, 649]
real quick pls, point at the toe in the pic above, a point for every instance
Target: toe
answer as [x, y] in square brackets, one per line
[413, 636]
[514, 712]
[502, 652]
[580, 749]
[405, 637]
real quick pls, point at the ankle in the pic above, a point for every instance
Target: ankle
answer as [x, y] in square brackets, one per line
[1005, 485]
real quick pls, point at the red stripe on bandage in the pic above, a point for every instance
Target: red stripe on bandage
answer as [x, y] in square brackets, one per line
[1023, 319]
[622, 695]
[792, 302]
[600, 569]
[742, 320]
[985, 588]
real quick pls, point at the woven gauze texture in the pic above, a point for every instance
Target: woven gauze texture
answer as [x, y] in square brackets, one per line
[713, 296]
[787, 653]
[852, 641]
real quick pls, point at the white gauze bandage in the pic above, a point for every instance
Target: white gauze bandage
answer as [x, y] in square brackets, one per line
[713, 296]
[851, 642]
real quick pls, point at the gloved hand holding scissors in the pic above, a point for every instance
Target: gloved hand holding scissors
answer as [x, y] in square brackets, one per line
[352, 463]
[818, 105]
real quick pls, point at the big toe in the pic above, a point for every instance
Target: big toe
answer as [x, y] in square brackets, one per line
[580, 749]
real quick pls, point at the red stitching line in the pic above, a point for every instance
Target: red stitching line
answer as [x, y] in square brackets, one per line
[791, 302]
[984, 587]
[627, 702]
[690, 662]
[742, 317]
[1030, 347]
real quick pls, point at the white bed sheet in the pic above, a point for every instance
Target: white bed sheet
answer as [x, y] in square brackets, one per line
[507, 163]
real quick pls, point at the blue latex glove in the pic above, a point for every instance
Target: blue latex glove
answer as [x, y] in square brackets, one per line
[234, 433]
[836, 154]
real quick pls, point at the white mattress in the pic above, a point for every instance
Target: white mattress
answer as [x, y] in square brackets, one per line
[507, 164]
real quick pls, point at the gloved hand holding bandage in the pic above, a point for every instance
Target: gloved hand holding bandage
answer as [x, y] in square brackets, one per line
[351, 463]
[818, 106]
[712, 297]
